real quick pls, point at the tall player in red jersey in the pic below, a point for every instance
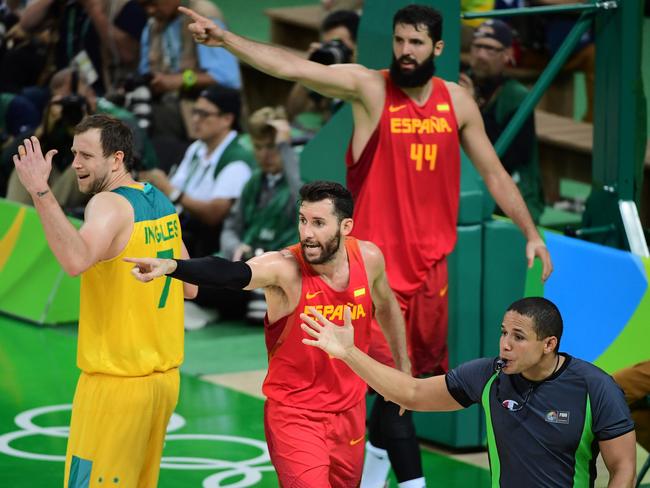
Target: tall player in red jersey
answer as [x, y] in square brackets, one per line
[314, 416]
[404, 169]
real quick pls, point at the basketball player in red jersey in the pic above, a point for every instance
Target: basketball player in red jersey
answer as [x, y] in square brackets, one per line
[404, 170]
[314, 416]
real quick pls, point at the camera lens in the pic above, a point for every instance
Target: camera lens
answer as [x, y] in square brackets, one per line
[332, 52]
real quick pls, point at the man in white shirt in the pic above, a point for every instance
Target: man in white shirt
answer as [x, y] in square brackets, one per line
[213, 171]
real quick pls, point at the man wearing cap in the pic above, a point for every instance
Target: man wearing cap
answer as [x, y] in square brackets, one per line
[213, 172]
[498, 98]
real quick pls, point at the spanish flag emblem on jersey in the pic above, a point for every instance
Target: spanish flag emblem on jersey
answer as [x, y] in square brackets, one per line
[359, 292]
[442, 107]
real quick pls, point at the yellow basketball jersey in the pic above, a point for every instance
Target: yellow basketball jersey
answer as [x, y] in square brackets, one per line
[126, 327]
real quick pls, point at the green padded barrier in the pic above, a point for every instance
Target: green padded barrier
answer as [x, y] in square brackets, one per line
[32, 284]
[504, 278]
[461, 429]
[472, 189]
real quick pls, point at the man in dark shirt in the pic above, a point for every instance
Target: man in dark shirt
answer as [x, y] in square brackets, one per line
[548, 414]
[499, 98]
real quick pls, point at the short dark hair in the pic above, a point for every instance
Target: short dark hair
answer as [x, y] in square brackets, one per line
[417, 15]
[114, 136]
[341, 198]
[342, 18]
[547, 320]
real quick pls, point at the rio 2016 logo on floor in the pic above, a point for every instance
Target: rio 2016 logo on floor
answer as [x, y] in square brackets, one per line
[247, 472]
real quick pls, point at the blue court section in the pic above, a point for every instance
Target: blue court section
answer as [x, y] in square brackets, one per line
[597, 289]
[215, 438]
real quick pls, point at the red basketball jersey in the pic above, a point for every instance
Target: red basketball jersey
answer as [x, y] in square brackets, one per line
[306, 377]
[406, 185]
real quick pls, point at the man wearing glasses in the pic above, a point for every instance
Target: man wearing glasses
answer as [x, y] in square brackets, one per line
[548, 414]
[498, 98]
[213, 172]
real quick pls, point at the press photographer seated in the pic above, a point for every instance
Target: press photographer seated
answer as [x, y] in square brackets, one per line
[308, 110]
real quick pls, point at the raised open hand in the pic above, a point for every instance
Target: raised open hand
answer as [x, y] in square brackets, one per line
[32, 167]
[335, 340]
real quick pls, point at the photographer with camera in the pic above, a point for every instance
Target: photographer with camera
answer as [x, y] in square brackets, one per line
[177, 70]
[307, 109]
[498, 98]
[72, 99]
[212, 173]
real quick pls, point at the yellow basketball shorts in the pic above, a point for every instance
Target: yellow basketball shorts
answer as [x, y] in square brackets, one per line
[118, 428]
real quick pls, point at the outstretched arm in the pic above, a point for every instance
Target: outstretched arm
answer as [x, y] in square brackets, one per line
[258, 272]
[347, 82]
[429, 394]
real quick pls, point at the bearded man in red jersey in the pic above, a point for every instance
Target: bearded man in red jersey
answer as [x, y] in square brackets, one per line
[314, 415]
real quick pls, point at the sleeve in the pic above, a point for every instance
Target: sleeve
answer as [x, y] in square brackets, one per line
[466, 382]
[231, 181]
[611, 416]
[220, 64]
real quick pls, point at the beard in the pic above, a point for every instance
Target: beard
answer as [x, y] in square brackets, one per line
[419, 76]
[328, 250]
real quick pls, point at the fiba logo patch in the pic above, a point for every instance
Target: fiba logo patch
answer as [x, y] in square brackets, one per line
[510, 404]
[557, 417]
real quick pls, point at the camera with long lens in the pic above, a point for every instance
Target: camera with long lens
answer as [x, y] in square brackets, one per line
[332, 52]
[137, 98]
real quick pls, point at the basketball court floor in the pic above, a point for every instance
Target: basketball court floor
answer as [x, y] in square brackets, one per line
[215, 438]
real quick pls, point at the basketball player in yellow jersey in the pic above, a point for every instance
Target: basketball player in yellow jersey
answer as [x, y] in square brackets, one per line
[130, 335]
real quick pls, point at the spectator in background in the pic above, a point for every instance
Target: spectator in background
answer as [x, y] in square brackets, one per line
[27, 56]
[178, 68]
[498, 98]
[307, 109]
[72, 99]
[18, 118]
[100, 37]
[264, 218]
[467, 26]
[213, 172]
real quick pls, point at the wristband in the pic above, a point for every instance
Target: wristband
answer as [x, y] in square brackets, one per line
[189, 79]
